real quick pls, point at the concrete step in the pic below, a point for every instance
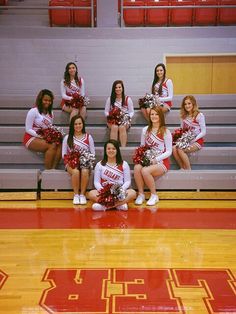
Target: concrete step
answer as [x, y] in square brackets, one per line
[96, 117]
[20, 179]
[220, 134]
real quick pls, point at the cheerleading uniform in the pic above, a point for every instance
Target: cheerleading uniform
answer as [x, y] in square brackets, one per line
[167, 93]
[68, 91]
[84, 144]
[128, 107]
[162, 143]
[115, 174]
[34, 122]
[198, 126]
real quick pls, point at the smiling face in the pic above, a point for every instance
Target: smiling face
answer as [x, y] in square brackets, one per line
[154, 116]
[78, 125]
[72, 70]
[46, 102]
[160, 72]
[188, 106]
[118, 90]
[111, 151]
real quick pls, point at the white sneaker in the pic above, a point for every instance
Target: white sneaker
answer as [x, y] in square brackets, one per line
[97, 206]
[122, 207]
[83, 200]
[76, 200]
[140, 199]
[153, 200]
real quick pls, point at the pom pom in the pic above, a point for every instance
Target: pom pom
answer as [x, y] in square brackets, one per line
[72, 159]
[185, 140]
[110, 194]
[148, 101]
[118, 117]
[139, 154]
[144, 155]
[52, 134]
[87, 160]
[78, 101]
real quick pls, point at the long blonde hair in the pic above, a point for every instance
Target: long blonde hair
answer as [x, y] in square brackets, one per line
[162, 124]
[183, 112]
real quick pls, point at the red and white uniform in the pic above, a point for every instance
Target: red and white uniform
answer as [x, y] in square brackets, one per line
[86, 143]
[167, 92]
[128, 107]
[34, 122]
[68, 91]
[112, 174]
[162, 144]
[198, 126]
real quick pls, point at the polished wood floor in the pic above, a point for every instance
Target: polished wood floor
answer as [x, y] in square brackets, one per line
[179, 257]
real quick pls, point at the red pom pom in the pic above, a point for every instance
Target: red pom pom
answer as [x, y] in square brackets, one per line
[177, 134]
[114, 116]
[72, 159]
[51, 135]
[139, 154]
[105, 197]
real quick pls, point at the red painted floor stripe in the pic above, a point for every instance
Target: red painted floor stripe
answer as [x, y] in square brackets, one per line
[48, 218]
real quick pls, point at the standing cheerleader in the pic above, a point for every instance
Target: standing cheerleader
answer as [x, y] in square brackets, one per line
[40, 118]
[156, 136]
[191, 119]
[72, 86]
[112, 169]
[162, 88]
[119, 122]
[80, 141]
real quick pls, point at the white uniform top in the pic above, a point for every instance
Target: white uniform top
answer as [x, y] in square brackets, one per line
[112, 174]
[196, 125]
[86, 143]
[35, 121]
[129, 108]
[167, 90]
[73, 88]
[164, 145]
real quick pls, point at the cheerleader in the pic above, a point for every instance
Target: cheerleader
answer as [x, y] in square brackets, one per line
[118, 128]
[157, 136]
[194, 120]
[41, 117]
[162, 88]
[72, 85]
[112, 169]
[78, 140]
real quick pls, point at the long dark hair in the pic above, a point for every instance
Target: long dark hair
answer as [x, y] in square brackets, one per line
[156, 79]
[39, 102]
[113, 93]
[72, 129]
[119, 159]
[67, 75]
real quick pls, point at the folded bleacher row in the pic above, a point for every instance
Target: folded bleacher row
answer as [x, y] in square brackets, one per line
[145, 12]
[214, 167]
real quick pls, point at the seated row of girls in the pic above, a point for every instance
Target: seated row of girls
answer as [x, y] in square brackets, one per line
[72, 84]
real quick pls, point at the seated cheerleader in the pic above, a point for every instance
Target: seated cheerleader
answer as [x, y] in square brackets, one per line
[191, 119]
[156, 136]
[162, 88]
[72, 86]
[78, 141]
[39, 118]
[112, 169]
[119, 123]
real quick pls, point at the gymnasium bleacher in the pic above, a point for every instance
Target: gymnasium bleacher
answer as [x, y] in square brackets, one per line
[34, 58]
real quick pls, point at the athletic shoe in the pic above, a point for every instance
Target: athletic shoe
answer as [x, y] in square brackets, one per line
[153, 200]
[83, 200]
[76, 200]
[97, 206]
[140, 199]
[122, 207]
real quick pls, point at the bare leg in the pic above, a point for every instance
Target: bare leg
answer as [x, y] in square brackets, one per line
[40, 145]
[131, 195]
[57, 157]
[93, 196]
[84, 180]
[74, 112]
[145, 114]
[177, 157]
[114, 131]
[183, 154]
[148, 176]
[123, 135]
[75, 179]
[139, 178]
[83, 112]
[67, 109]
